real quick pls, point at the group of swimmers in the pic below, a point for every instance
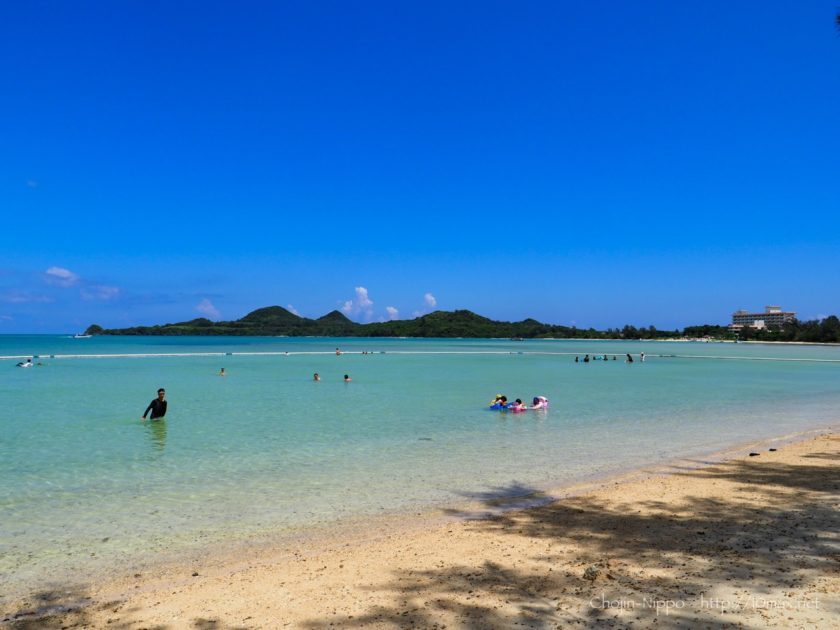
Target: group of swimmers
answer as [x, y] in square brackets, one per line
[317, 377]
[598, 357]
[28, 363]
[158, 405]
[501, 403]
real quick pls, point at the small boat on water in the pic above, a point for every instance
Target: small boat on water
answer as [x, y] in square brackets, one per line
[81, 336]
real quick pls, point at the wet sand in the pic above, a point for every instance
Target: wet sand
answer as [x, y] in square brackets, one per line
[749, 542]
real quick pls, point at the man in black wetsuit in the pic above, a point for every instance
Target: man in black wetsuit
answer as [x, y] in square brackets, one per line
[157, 406]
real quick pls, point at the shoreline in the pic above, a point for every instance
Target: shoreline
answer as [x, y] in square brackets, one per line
[361, 539]
[408, 518]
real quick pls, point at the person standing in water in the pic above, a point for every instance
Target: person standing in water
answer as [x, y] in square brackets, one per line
[157, 406]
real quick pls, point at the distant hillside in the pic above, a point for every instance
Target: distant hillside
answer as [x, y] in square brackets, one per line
[268, 321]
[276, 320]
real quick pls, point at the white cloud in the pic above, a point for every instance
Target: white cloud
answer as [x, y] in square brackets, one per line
[392, 312]
[24, 297]
[362, 305]
[100, 292]
[430, 301]
[206, 307]
[61, 276]
[362, 299]
[292, 310]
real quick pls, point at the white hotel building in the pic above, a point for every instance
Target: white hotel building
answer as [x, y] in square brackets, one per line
[772, 316]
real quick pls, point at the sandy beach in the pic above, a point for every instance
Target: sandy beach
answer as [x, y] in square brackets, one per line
[749, 542]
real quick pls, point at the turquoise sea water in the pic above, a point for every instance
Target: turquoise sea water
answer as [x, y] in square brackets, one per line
[86, 485]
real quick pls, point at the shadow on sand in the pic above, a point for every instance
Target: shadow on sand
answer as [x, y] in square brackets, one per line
[581, 562]
[72, 608]
[592, 563]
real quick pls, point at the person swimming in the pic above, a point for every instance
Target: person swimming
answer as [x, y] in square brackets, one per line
[499, 403]
[540, 402]
[157, 406]
[316, 377]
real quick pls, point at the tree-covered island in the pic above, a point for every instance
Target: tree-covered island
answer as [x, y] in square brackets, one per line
[277, 321]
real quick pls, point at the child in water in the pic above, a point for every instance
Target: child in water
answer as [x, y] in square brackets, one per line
[500, 402]
[540, 402]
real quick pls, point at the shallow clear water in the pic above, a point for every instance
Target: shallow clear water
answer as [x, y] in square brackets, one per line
[85, 484]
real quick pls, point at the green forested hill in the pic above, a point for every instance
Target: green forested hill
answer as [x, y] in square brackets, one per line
[276, 320]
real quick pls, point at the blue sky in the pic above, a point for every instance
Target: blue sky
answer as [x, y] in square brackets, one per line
[595, 163]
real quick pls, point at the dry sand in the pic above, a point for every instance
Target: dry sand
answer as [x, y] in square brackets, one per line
[751, 542]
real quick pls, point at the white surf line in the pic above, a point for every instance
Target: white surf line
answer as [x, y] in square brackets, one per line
[139, 355]
[717, 357]
[456, 352]
[600, 354]
[152, 355]
[117, 355]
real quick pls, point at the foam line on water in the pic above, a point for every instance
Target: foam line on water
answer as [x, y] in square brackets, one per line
[718, 357]
[151, 355]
